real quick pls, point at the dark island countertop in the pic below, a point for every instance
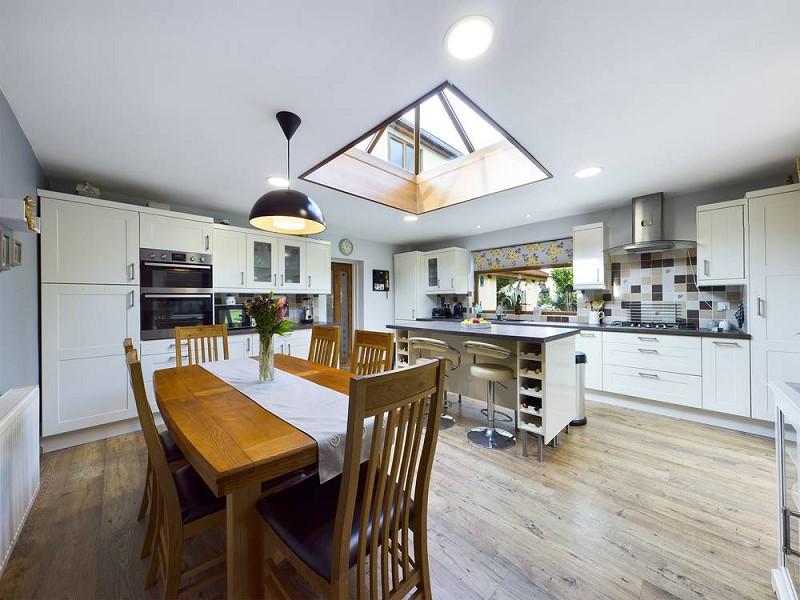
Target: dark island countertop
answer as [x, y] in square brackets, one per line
[709, 333]
[504, 331]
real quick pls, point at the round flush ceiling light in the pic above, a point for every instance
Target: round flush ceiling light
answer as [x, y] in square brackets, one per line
[410, 218]
[280, 182]
[469, 37]
[588, 172]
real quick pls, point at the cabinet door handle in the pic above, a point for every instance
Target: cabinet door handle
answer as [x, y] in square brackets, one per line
[706, 267]
[132, 272]
[648, 350]
[309, 281]
[647, 339]
[248, 344]
[208, 242]
[597, 277]
[437, 283]
[414, 312]
[587, 334]
[452, 283]
[282, 284]
[290, 349]
[729, 344]
[648, 375]
[242, 277]
[760, 306]
[275, 280]
[132, 300]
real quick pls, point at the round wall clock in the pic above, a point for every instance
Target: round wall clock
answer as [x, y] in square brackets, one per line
[345, 246]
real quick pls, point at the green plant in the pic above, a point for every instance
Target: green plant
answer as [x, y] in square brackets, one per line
[566, 299]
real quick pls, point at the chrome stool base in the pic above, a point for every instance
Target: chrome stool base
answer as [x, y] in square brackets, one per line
[447, 422]
[494, 439]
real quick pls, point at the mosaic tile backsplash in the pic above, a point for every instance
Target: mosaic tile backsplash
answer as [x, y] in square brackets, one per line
[666, 277]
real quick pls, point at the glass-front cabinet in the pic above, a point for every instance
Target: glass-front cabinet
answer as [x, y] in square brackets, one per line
[292, 266]
[262, 261]
[432, 270]
[786, 577]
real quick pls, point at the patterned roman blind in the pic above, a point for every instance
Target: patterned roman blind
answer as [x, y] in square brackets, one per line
[551, 253]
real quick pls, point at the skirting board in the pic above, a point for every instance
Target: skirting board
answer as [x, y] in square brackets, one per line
[763, 428]
[92, 434]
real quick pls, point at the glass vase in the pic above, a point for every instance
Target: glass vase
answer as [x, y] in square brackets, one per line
[266, 367]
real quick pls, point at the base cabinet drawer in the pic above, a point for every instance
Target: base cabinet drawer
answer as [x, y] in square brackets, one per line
[662, 386]
[654, 357]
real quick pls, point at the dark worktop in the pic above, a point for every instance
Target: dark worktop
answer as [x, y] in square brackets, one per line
[504, 331]
[246, 330]
[733, 334]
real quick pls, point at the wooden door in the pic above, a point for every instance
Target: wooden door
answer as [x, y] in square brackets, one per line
[774, 283]
[342, 286]
[84, 243]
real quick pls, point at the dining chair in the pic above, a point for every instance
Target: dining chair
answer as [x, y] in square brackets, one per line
[324, 348]
[366, 516]
[372, 352]
[183, 504]
[202, 343]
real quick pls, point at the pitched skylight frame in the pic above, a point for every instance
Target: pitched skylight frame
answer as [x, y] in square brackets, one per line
[415, 178]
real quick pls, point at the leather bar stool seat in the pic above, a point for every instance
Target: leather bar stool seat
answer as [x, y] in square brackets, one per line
[492, 373]
[453, 358]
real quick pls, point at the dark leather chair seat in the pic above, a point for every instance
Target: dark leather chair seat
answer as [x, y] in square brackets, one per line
[196, 499]
[170, 447]
[303, 517]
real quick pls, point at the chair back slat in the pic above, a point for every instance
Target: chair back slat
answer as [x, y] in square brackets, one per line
[400, 458]
[201, 343]
[324, 348]
[372, 352]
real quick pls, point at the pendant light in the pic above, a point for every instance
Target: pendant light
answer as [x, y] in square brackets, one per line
[287, 210]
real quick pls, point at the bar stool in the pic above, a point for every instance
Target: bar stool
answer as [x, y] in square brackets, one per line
[440, 349]
[492, 373]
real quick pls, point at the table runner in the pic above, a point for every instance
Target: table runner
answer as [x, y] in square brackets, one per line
[318, 411]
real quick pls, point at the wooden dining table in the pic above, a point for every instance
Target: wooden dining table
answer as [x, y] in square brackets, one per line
[235, 445]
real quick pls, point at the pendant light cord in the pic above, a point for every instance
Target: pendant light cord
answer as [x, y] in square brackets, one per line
[288, 164]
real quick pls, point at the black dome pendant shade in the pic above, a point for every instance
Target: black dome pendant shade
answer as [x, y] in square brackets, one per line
[286, 210]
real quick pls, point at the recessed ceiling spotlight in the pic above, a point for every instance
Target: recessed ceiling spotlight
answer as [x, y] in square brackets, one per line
[528, 216]
[469, 37]
[477, 226]
[280, 182]
[410, 218]
[588, 172]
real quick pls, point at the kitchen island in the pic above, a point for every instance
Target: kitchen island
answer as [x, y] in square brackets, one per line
[542, 397]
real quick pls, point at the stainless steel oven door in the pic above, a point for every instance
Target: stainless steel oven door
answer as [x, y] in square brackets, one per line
[163, 311]
[171, 275]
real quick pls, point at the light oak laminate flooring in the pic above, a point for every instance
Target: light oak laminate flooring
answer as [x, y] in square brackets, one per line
[632, 506]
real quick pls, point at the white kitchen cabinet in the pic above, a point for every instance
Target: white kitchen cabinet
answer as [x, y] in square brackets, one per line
[590, 264]
[230, 258]
[774, 278]
[318, 267]
[262, 262]
[675, 388]
[726, 376]
[296, 343]
[88, 243]
[180, 234]
[292, 264]
[721, 243]
[410, 300]
[84, 376]
[591, 343]
[241, 346]
[447, 271]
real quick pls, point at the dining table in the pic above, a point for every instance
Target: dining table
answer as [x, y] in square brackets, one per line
[235, 445]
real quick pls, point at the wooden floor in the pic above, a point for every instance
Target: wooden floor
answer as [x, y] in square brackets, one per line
[631, 506]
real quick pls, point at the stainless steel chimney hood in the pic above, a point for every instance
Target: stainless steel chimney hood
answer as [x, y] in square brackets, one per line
[647, 228]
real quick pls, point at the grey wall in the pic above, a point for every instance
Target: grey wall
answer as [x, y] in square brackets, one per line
[20, 175]
[679, 221]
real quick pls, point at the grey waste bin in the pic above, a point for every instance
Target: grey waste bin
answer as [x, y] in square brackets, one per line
[580, 389]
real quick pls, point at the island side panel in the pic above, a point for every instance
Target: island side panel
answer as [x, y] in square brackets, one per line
[559, 402]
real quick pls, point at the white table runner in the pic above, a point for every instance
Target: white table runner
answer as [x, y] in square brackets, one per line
[316, 410]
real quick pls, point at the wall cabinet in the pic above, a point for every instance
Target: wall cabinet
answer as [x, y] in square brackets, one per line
[448, 271]
[591, 344]
[176, 233]
[774, 320]
[410, 297]
[318, 267]
[262, 262]
[84, 376]
[726, 376]
[590, 265]
[292, 264]
[721, 243]
[86, 243]
[230, 259]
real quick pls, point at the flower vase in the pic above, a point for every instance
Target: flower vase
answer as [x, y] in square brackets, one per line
[266, 368]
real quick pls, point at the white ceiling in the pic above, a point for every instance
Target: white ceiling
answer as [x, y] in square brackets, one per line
[174, 101]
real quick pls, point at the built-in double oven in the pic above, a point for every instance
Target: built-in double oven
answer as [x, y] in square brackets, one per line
[176, 292]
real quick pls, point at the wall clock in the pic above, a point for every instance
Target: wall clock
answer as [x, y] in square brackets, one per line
[345, 246]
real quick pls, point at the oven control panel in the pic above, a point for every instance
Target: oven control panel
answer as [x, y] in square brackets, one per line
[168, 256]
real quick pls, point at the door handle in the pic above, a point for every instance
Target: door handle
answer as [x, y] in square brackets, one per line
[648, 350]
[275, 280]
[760, 306]
[729, 344]
[208, 242]
[282, 283]
[648, 375]
[242, 277]
[413, 314]
[452, 283]
[706, 267]
[132, 272]
[132, 300]
[647, 339]
[290, 349]
[309, 281]
[248, 344]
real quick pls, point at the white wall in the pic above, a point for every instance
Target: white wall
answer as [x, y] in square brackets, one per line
[20, 175]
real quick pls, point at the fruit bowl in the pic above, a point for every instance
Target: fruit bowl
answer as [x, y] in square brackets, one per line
[476, 323]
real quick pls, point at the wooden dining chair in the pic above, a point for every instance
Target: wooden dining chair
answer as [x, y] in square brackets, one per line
[202, 344]
[372, 352]
[324, 350]
[374, 515]
[183, 504]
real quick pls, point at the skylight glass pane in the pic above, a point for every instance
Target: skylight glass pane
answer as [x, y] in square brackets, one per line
[435, 122]
[479, 131]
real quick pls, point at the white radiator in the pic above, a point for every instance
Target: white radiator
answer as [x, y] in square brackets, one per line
[19, 463]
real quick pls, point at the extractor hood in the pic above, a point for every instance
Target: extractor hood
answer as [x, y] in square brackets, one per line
[647, 228]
